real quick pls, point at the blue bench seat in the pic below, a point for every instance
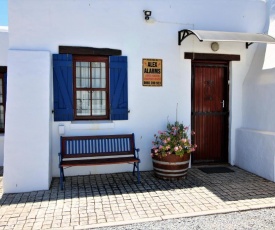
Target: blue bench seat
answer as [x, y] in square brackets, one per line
[98, 150]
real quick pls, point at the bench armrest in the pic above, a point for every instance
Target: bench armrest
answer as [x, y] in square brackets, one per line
[60, 157]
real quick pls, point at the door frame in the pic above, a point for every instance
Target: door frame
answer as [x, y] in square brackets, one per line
[224, 142]
[218, 57]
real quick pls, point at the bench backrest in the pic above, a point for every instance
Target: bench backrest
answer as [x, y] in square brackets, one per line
[89, 146]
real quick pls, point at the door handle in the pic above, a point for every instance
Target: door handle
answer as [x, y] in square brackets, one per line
[222, 103]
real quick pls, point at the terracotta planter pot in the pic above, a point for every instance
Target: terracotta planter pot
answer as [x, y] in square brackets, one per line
[171, 167]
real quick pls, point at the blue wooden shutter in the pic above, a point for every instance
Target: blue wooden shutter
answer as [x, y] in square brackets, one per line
[118, 88]
[63, 87]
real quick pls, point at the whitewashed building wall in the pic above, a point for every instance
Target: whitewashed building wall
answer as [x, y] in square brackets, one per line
[255, 140]
[38, 28]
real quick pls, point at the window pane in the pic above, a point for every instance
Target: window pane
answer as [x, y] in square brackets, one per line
[1, 116]
[83, 103]
[98, 75]
[99, 103]
[83, 70]
[99, 83]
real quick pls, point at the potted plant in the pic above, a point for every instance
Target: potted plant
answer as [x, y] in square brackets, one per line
[171, 151]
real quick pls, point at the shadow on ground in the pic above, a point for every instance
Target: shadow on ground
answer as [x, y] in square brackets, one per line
[239, 185]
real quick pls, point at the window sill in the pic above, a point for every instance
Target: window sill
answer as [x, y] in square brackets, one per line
[93, 125]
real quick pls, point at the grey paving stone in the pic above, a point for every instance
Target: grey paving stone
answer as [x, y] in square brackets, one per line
[116, 198]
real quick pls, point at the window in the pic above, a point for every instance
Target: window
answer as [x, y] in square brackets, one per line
[2, 100]
[90, 87]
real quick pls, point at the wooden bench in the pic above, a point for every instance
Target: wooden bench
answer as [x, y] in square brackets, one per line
[98, 150]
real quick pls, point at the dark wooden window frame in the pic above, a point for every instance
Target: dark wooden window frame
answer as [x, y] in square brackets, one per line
[2, 130]
[105, 59]
[3, 70]
[91, 51]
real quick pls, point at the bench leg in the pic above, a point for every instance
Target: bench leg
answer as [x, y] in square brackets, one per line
[134, 169]
[136, 166]
[62, 178]
[138, 172]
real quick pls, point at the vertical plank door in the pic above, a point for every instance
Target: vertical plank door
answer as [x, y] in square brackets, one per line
[210, 110]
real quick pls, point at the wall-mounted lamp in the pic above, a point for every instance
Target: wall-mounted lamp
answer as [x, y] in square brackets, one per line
[147, 14]
[215, 46]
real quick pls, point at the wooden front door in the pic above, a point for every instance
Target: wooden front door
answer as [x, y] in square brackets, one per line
[210, 111]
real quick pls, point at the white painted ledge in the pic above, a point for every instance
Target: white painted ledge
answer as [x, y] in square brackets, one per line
[255, 152]
[92, 125]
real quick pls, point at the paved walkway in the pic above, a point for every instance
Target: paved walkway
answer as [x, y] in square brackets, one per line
[104, 200]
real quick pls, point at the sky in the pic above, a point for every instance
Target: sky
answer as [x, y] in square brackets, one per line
[3, 12]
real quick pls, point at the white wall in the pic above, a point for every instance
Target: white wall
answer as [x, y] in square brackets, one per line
[255, 140]
[27, 135]
[45, 25]
[4, 45]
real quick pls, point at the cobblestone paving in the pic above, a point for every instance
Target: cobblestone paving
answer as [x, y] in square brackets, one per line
[112, 199]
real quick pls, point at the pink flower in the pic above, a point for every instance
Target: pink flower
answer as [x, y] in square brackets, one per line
[176, 148]
[160, 147]
[164, 141]
[168, 139]
[156, 150]
[183, 140]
